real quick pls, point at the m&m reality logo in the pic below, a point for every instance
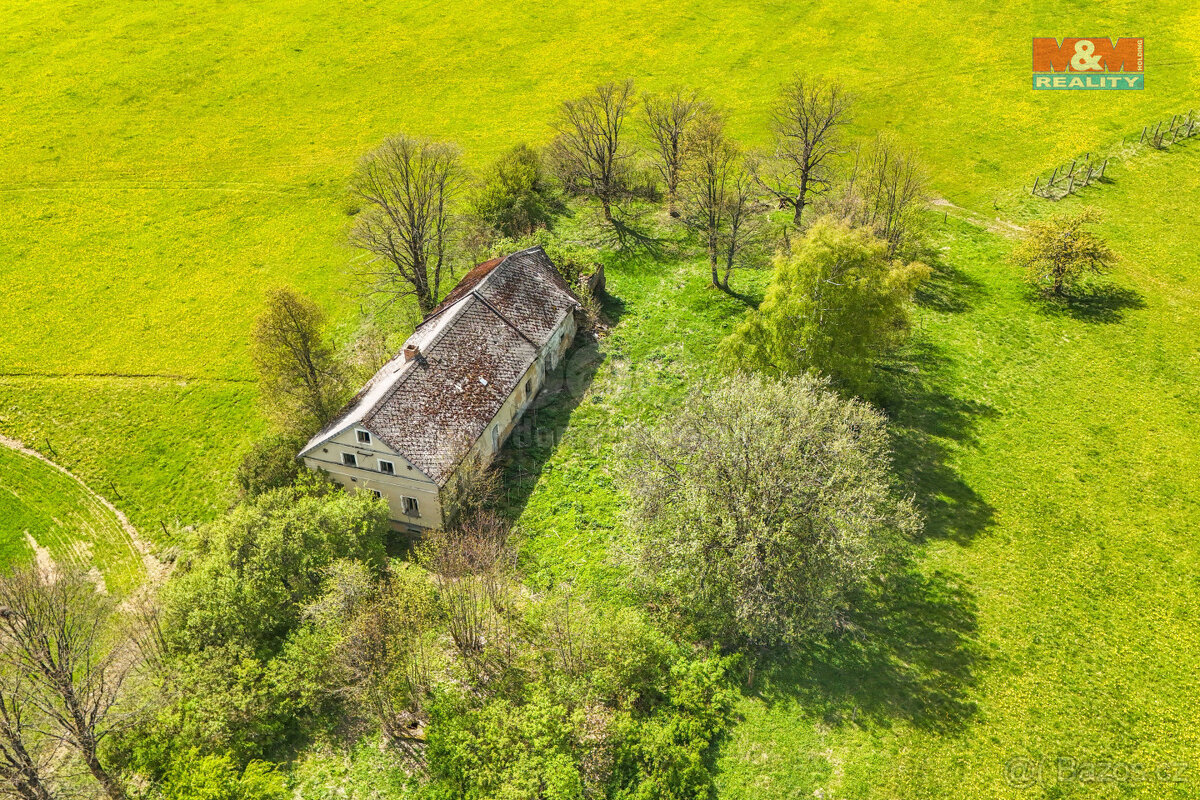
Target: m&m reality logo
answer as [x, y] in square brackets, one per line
[1088, 63]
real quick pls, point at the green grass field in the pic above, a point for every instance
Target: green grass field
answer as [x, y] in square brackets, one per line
[1051, 609]
[164, 164]
[46, 509]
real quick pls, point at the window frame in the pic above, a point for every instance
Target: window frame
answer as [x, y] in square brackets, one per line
[391, 466]
[349, 460]
[359, 433]
[410, 506]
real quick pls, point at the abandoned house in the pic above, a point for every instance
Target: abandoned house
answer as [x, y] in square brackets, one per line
[455, 391]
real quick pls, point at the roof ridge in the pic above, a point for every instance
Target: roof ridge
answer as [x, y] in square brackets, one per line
[438, 311]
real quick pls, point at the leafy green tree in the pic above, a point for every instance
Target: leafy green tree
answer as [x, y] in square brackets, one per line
[270, 463]
[760, 505]
[301, 381]
[249, 574]
[515, 198]
[833, 306]
[1058, 253]
[216, 777]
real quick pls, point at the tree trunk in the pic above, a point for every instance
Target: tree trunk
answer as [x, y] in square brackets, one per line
[712, 265]
[800, 201]
[606, 207]
[111, 787]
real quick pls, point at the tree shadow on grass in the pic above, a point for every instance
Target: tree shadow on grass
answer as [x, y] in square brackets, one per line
[537, 434]
[909, 652]
[928, 420]
[948, 289]
[1096, 303]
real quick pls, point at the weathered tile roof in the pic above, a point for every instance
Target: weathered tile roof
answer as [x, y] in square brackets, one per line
[475, 347]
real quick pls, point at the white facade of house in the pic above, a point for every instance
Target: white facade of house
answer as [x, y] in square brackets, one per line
[455, 392]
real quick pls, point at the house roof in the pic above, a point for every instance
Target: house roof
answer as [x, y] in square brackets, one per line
[474, 348]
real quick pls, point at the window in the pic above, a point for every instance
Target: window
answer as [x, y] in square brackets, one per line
[528, 387]
[349, 459]
[376, 494]
[387, 467]
[410, 507]
[364, 437]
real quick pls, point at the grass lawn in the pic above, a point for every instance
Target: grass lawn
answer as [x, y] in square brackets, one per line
[1051, 609]
[166, 163]
[46, 509]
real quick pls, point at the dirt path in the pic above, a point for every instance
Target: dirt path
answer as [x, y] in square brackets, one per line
[155, 569]
[994, 225]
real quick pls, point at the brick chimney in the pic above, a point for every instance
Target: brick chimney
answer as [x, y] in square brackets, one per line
[411, 351]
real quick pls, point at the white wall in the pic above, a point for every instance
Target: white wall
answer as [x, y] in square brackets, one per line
[407, 482]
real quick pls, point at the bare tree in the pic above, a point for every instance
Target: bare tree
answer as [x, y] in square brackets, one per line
[302, 380]
[808, 120]
[668, 118]
[471, 568]
[589, 153]
[58, 633]
[884, 188]
[23, 764]
[744, 228]
[712, 168]
[408, 186]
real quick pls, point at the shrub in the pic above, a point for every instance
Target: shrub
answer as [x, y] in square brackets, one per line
[216, 777]
[503, 749]
[516, 198]
[251, 572]
[270, 463]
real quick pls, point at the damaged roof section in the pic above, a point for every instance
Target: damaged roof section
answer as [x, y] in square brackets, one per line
[471, 352]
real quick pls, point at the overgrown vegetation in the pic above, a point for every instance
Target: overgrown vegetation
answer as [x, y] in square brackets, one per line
[762, 507]
[458, 667]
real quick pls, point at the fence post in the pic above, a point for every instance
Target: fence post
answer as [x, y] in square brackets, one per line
[1035, 184]
[1071, 185]
[1103, 167]
[1144, 127]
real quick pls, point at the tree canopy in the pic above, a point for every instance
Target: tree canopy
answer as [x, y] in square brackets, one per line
[761, 504]
[1059, 252]
[832, 307]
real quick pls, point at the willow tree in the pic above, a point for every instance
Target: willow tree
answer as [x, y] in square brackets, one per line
[833, 306]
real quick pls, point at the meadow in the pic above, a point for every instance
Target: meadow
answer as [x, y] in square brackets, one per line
[1049, 610]
[167, 163]
[52, 512]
